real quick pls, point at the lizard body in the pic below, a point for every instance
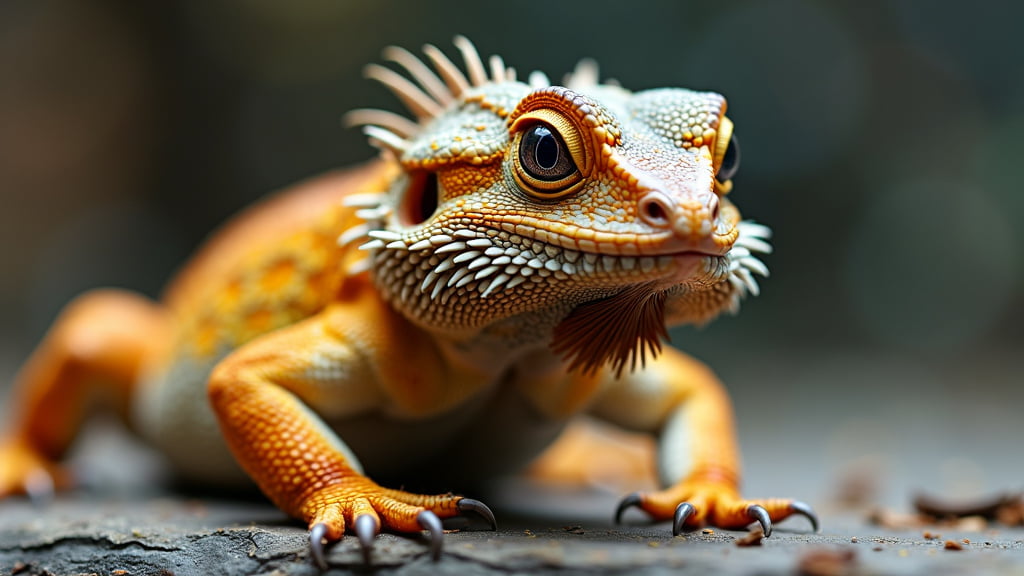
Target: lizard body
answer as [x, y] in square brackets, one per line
[512, 260]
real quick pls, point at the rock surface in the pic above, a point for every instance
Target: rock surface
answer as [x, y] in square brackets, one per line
[173, 535]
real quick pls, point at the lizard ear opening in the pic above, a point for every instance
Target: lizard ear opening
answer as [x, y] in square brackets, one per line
[420, 200]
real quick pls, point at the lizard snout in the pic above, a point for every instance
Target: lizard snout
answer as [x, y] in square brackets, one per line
[692, 219]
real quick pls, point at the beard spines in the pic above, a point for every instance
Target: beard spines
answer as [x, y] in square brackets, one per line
[618, 331]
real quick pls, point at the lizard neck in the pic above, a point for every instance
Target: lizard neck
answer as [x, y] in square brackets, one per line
[494, 348]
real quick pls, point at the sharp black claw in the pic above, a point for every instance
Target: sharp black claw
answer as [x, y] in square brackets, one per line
[757, 512]
[470, 505]
[683, 511]
[626, 503]
[316, 545]
[366, 530]
[805, 510]
[431, 523]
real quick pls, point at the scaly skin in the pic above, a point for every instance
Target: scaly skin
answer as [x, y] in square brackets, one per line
[516, 254]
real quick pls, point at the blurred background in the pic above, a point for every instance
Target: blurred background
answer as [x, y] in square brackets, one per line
[881, 141]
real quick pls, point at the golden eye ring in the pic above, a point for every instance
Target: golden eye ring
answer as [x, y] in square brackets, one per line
[549, 154]
[726, 158]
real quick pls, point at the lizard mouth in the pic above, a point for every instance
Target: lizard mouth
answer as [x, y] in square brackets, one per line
[625, 329]
[587, 241]
[662, 256]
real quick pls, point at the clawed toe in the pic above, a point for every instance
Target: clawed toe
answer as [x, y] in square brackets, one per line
[432, 524]
[805, 510]
[479, 508]
[683, 511]
[722, 510]
[366, 524]
[317, 534]
[633, 500]
[757, 512]
[366, 529]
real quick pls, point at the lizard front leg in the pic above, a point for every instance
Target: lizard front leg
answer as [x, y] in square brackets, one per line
[262, 396]
[97, 348]
[698, 453]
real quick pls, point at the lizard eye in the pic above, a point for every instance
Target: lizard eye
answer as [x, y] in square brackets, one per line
[543, 155]
[727, 152]
[730, 161]
[547, 152]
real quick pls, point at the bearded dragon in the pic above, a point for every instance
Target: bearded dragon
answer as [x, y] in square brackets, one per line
[512, 259]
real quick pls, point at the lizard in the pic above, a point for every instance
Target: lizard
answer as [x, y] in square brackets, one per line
[512, 258]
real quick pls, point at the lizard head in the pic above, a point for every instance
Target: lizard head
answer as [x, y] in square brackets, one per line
[584, 215]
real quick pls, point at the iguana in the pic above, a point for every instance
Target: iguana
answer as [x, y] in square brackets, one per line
[510, 261]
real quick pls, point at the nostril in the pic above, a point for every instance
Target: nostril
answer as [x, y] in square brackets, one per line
[655, 210]
[715, 208]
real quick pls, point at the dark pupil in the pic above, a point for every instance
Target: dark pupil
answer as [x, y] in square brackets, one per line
[544, 156]
[546, 152]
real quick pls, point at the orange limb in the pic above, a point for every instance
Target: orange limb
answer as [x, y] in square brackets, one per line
[259, 395]
[98, 347]
[698, 454]
[595, 454]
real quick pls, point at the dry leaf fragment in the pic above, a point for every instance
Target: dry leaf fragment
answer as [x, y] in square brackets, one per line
[827, 562]
[752, 538]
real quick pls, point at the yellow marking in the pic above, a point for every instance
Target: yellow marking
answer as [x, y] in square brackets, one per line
[232, 293]
[279, 275]
[259, 320]
[207, 336]
[314, 287]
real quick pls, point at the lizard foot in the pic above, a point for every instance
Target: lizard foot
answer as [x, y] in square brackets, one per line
[692, 504]
[24, 471]
[366, 510]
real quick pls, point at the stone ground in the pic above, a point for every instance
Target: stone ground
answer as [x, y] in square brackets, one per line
[164, 535]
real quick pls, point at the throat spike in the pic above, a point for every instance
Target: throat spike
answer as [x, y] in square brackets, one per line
[617, 331]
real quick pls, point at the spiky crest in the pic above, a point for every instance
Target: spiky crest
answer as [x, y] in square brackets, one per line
[621, 330]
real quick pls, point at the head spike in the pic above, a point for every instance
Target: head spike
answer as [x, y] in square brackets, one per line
[585, 75]
[364, 199]
[539, 79]
[352, 234]
[418, 102]
[420, 72]
[475, 67]
[449, 72]
[497, 68]
[380, 137]
[399, 125]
